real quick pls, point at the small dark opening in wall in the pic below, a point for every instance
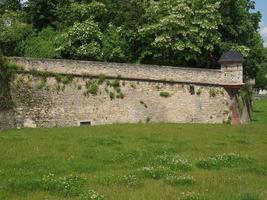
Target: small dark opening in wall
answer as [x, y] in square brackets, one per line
[192, 90]
[85, 123]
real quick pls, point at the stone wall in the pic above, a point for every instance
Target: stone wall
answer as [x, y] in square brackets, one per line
[130, 71]
[195, 95]
[49, 107]
[7, 120]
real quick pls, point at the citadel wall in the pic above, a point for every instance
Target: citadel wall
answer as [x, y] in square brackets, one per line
[142, 94]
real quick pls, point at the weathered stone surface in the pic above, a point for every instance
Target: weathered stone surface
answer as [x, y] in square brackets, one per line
[142, 102]
[29, 123]
[207, 101]
[131, 71]
[7, 120]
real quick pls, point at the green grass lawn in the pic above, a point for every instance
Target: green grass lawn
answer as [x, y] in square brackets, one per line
[137, 162]
[260, 111]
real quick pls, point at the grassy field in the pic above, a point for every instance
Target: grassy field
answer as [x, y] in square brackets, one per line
[260, 111]
[137, 162]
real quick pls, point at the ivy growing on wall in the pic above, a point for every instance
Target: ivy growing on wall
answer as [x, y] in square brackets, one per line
[7, 71]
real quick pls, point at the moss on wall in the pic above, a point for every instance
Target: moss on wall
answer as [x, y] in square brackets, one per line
[7, 71]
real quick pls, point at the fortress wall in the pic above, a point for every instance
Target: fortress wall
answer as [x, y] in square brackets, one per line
[132, 71]
[7, 120]
[48, 107]
[195, 95]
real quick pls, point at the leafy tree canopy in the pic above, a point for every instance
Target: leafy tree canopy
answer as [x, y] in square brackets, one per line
[170, 32]
[10, 5]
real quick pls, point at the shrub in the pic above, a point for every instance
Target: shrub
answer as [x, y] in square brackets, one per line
[115, 83]
[64, 79]
[91, 87]
[224, 160]
[118, 90]
[164, 94]
[41, 45]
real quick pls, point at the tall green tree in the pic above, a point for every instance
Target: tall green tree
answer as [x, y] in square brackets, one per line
[261, 76]
[41, 44]
[240, 31]
[73, 12]
[168, 32]
[178, 32]
[13, 5]
[83, 41]
[43, 13]
[13, 30]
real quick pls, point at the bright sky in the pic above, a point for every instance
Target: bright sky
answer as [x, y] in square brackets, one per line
[261, 5]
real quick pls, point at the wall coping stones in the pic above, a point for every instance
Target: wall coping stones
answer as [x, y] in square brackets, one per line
[111, 64]
[133, 71]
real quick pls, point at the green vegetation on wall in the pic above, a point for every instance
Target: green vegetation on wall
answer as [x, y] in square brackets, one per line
[113, 87]
[7, 71]
[164, 94]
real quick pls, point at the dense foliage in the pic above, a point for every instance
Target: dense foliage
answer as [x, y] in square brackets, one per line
[7, 70]
[179, 32]
[41, 44]
[167, 32]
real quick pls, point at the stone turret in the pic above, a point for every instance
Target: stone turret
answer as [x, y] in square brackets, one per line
[232, 66]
